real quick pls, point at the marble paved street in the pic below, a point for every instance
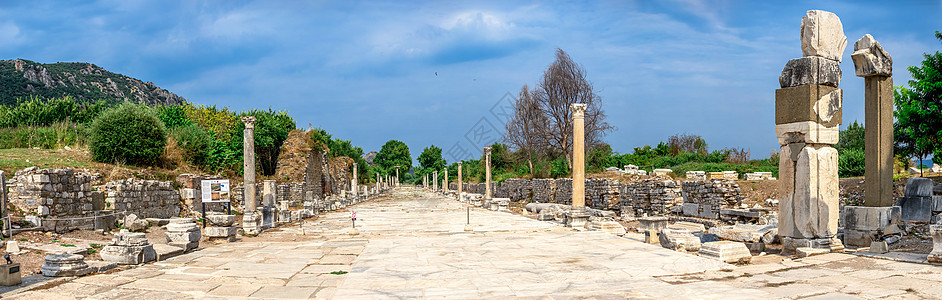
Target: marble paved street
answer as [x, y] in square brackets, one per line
[412, 244]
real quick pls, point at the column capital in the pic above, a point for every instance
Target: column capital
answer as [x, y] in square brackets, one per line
[249, 122]
[459, 163]
[870, 59]
[578, 110]
[487, 150]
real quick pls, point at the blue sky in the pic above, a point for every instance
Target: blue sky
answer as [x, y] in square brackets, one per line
[429, 72]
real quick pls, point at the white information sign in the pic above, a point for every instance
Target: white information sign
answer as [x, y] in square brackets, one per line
[215, 190]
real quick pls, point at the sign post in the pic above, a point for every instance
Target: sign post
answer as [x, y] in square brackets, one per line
[215, 191]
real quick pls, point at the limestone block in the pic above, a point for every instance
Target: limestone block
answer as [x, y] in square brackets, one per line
[690, 209]
[822, 34]
[810, 70]
[919, 187]
[612, 227]
[59, 265]
[816, 103]
[936, 254]
[741, 232]
[870, 59]
[661, 172]
[726, 251]
[871, 218]
[13, 246]
[810, 206]
[221, 220]
[10, 274]
[125, 238]
[689, 226]
[164, 251]
[215, 231]
[808, 251]
[191, 233]
[879, 247]
[806, 132]
[652, 224]
[679, 240]
[98, 266]
[128, 255]
[186, 246]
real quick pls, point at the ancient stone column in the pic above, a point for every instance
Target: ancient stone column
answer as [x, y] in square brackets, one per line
[807, 116]
[876, 66]
[354, 185]
[435, 181]
[268, 203]
[487, 174]
[3, 203]
[877, 216]
[578, 154]
[249, 219]
[459, 180]
[397, 176]
[445, 183]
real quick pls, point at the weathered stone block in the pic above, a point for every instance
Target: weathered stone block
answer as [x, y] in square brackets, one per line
[679, 240]
[214, 231]
[807, 132]
[164, 251]
[10, 273]
[919, 187]
[812, 102]
[690, 209]
[915, 209]
[689, 226]
[186, 246]
[810, 206]
[741, 232]
[936, 254]
[822, 34]
[128, 255]
[808, 251]
[810, 70]
[726, 251]
[870, 59]
[59, 265]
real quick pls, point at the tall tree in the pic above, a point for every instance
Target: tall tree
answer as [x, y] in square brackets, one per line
[431, 159]
[564, 83]
[918, 127]
[523, 129]
[394, 153]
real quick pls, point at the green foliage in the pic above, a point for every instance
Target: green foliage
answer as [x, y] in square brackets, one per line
[850, 162]
[918, 127]
[196, 143]
[35, 111]
[394, 153]
[599, 158]
[271, 131]
[560, 168]
[431, 158]
[852, 137]
[173, 116]
[55, 136]
[129, 134]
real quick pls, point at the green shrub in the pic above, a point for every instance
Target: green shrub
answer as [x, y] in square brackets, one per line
[195, 141]
[850, 163]
[55, 136]
[560, 168]
[129, 133]
[173, 116]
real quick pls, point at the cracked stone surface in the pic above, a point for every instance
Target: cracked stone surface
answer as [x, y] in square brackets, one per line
[412, 244]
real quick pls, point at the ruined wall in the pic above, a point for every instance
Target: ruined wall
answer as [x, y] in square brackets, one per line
[543, 190]
[53, 192]
[144, 198]
[651, 196]
[563, 191]
[603, 194]
[516, 189]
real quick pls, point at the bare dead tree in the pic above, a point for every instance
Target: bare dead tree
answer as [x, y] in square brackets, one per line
[564, 83]
[686, 143]
[524, 128]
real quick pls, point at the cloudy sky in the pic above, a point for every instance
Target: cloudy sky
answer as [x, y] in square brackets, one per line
[439, 72]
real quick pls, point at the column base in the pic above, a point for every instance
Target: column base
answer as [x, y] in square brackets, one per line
[250, 224]
[577, 217]
[268, 217]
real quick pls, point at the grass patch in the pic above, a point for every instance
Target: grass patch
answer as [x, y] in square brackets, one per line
[96, 246]
[338, 272]
[66, 245]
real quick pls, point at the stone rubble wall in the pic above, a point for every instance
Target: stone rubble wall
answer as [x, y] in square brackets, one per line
[145, 198]
[651, 196]
[53, 192]
[516, 189]
[603, 194]
[543, 190]
[563, 191]
[717, 193]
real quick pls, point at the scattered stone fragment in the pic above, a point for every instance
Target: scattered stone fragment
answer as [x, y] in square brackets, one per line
[129, 248]
[679, 240]
[806, 251]
[60, 265]
[164, 251]
[98, 266]
[870, 59]
[879, 247]
[690, 226]
[726, 251]
[936, 254]
[13, 247]
[822, 34]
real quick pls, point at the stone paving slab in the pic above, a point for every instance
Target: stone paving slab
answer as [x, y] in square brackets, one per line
[413, 245]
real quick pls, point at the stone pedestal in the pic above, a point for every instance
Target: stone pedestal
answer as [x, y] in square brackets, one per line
[183, 233]
[60, 265]
[10, 274]
[268, 203]
[936, 254]
[129, 248]
[577, 217]
[250, 224]
[807, 115]
[651, 226]
[862, 223]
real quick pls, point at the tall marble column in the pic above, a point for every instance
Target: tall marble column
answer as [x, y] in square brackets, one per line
[435, 181]
[397, 176]
[487, 174]
[445, 183]
[459, 180]
[578, 154]
[807, 116]
[249, 219]
[354, 185]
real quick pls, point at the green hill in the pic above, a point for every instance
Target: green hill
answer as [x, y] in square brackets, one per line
[21, 78]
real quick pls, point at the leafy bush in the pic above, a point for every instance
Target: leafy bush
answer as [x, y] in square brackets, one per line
[55, 136]
[850, 163]
[129, 133]
[560, 168]
[196, 143]
[173, 116]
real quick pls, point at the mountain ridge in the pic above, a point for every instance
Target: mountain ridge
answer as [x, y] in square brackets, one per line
[20, 79]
